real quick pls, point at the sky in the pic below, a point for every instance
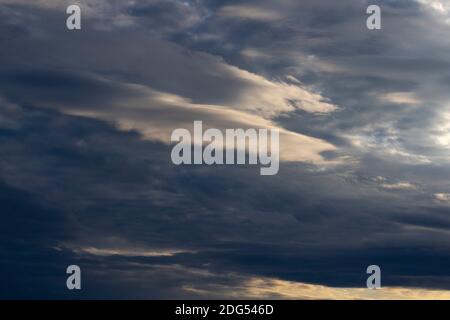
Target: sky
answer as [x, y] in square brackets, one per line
[86, 176]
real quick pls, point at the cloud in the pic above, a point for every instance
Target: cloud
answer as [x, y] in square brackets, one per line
[86, 174]
[248, 12]
[401, 97]
[177, 86]
[127, 252]
[401, 185]
[441, 7]
[133, 107]
[214, 221]
[398, 185]
[368, 75]
[443, 197]
[267, 288]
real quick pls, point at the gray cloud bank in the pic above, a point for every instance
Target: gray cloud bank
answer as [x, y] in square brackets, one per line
[85, 170]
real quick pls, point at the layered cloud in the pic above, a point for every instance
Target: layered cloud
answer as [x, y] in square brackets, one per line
[86, 177]
[160, 88]
[266, 288]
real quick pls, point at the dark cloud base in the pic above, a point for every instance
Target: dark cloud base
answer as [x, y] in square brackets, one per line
[191, 208]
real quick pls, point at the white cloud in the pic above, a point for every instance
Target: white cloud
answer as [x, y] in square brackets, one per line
[442, 131]
[442, 197]
[253, 53]
[399, 185]
[248, 12]
[401, 98]
[270, 98]
[129, 252]
[138, 113]
[386, 146]
[439, 6]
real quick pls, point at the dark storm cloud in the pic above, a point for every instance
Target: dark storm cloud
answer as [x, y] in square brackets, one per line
[78, 190]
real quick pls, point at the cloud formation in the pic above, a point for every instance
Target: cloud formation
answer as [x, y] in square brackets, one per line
[86, 177]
